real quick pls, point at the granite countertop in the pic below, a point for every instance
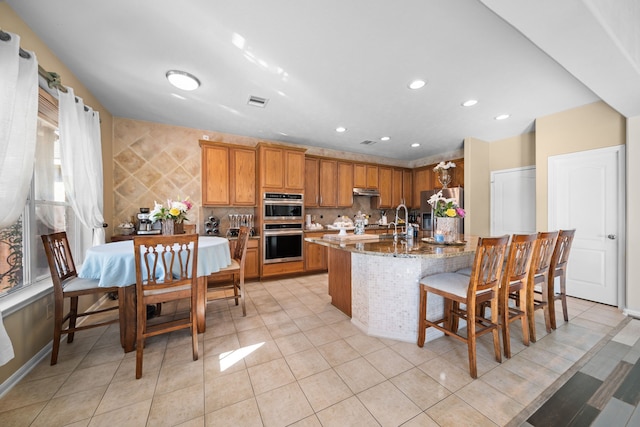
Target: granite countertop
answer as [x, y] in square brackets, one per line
[401, 248]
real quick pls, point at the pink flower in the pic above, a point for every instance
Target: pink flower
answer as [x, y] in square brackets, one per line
[460, 212]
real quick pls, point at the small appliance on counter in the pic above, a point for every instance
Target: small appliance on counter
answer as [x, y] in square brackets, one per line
[144, 223]
[211, 226]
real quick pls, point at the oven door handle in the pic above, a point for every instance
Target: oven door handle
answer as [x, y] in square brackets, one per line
[283, 232]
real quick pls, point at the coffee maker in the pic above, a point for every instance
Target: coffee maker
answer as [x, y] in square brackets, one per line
[144, 222]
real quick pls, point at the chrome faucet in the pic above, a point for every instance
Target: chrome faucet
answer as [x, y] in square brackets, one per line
[406, 215]
[395, 230]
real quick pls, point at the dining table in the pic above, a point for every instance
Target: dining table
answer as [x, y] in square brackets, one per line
[113, 264]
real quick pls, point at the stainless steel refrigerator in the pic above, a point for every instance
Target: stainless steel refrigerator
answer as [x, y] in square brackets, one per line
[426, 210]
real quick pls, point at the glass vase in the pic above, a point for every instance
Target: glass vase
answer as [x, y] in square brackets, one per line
[445, 176]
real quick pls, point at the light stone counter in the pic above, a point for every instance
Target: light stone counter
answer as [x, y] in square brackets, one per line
[384, 280]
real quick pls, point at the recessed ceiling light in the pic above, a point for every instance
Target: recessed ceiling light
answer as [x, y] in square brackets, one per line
[417, 84]
[341, 129]
[503, 116]
[414, 145]
[183, 80]
[385, 138]
[470, 103]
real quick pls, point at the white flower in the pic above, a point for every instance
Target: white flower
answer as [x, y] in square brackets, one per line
[435, 198]
[156, 212]
[444, 165]
[180, 206]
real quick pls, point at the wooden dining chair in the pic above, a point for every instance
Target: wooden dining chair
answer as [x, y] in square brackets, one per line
[166, 270]
[67, 284]
[558, 268]
[514, 287]
[538, 292]
[216, 282]
[470, 291]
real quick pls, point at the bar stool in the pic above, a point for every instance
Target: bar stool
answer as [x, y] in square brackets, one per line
[514, 287]
[537, 284]
[558, 268]
[457, 289]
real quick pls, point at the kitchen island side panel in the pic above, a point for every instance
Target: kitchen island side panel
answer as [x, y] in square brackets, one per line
[339, 262]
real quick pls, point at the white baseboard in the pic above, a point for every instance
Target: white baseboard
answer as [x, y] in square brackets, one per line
[632, 313]
[15, 378]
[25, 369]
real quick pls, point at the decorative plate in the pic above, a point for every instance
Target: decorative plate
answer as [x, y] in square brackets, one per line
[432, 241]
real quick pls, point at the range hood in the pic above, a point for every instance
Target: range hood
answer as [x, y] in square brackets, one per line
[365, 192]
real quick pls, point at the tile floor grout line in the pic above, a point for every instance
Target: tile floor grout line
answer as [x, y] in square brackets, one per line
[563, 378]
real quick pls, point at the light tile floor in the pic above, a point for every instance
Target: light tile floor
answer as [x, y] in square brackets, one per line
[297, 360]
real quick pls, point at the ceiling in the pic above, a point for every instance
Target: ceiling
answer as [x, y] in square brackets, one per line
[321, 64]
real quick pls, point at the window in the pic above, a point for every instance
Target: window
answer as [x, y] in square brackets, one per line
[22, 258]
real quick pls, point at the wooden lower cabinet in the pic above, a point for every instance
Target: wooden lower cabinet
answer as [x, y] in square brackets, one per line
[251, 264]
[315, 256]
[282, 268]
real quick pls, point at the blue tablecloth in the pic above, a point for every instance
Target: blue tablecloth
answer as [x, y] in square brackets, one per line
[113, 264]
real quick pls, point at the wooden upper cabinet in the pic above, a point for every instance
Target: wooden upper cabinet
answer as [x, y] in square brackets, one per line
[407, 187]
[311, 183]
[243, 176]
[281, 168]
[396, 187]
[345, 184]
[422, 181]
[365, 176]
[228, 174]
[294, 170]
[328, 183]
[385, 180]
[215, 175]
[458, 175]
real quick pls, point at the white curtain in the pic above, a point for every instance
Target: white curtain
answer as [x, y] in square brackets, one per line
[81, 161]
[18, 121]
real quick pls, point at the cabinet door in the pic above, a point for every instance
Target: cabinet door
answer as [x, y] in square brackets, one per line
[458, 175]
[385, 177]
[328, 183]
[294, 171]
[360, 175]
[372, 177]
[215, 175]
[315, 256]
[251, 264]
[272, 168]
[345, 184]
[407, 187]
[243, 177]
[396, 187]
[422, 181]
[311, 182]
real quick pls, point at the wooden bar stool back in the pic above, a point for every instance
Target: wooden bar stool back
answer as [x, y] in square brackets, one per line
[457, 289]
[558, 268]
[514, 287]
[166, 270]
[538, 294]
[67, 284]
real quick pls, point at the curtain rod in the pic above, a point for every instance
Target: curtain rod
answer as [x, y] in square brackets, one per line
[53, 79]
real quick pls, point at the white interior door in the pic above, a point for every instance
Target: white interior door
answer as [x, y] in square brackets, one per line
[586, 192]
[513, 201]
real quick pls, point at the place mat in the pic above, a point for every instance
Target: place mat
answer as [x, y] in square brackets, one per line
[432, 241]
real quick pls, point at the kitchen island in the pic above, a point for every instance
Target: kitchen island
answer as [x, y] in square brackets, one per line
[376, 282]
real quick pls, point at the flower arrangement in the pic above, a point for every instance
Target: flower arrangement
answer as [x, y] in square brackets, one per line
[174, 210]
[445, 208]
[444, 166]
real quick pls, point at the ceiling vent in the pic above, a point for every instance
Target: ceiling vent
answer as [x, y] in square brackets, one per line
[256, 101]
[368, 142]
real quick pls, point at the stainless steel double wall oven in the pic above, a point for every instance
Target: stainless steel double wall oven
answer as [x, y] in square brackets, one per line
[283, 219]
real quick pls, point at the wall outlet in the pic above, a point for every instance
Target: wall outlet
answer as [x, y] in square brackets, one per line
[49, 310]
[205, 137]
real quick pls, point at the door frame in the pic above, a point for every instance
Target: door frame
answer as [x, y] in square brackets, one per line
[620, 151]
